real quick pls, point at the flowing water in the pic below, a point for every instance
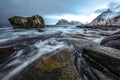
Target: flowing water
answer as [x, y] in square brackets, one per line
[25, 53]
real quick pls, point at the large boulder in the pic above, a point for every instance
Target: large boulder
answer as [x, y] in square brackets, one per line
[96, 62]
[35, 21]
[6, 53]
[112, 40]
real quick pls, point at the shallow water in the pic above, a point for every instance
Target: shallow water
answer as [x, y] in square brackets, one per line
[31, 52]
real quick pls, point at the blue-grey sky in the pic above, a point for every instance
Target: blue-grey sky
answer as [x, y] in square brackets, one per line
[111, 6]
[53, 10]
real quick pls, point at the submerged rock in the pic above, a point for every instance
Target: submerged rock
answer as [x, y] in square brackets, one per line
[28, 40]
[35, 21]
[112, 40]
[5, 53]
[105, 33]
[10, 47]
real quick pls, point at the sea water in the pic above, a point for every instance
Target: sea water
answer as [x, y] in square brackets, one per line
[25, 56]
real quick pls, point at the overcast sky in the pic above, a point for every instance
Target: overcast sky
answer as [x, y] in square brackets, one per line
[53, 10]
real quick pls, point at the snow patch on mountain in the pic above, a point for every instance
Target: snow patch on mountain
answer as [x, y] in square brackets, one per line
[111, 16]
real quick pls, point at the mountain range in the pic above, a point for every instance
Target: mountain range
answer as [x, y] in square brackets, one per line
[108, 17]
[66, 22]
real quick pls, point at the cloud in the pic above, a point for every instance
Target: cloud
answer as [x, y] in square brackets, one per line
[47, 8]
[69, 17]
[100, 10]
[111, 6]
[9, 8]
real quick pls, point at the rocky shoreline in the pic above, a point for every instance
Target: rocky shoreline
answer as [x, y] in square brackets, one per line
[78, 60]
[102, 27]
[67, 50]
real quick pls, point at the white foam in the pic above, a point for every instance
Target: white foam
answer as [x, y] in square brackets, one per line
[44, 47]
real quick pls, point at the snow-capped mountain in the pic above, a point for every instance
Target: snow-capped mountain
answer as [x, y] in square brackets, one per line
[116, 9]
[109, 17]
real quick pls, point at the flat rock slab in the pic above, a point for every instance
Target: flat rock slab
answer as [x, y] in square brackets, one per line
[96, 62]
[53, 66]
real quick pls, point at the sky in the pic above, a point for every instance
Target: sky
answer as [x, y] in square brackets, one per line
[53, 10]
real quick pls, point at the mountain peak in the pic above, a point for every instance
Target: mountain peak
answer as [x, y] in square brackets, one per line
[110, 16]
[117, 9]
[108, 11]
[65, 22]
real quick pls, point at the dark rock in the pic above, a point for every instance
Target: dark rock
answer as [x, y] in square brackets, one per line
[5, 53]
[8, 48]
[112, 40]
[52, 66]
[28, 40]
[35, 21]
[85, 29]
[91, 61]
[40, 30]
[96, 62]
[105, 33]
[85, 36]
[80, 26]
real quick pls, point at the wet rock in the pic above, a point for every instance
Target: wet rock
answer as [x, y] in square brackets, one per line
[8, 48]
[5, 53]
[53, 66]
[85, 29]
[96, 62]
[113, 29]
[80, 26]
[84, 36]
[94, 33]
[112, 40]
[28, 40]
[35, 21]
[81, 36]
[40, 30]
[105, 33]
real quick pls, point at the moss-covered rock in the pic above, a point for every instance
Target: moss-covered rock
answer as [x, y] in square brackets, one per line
[52, 66]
